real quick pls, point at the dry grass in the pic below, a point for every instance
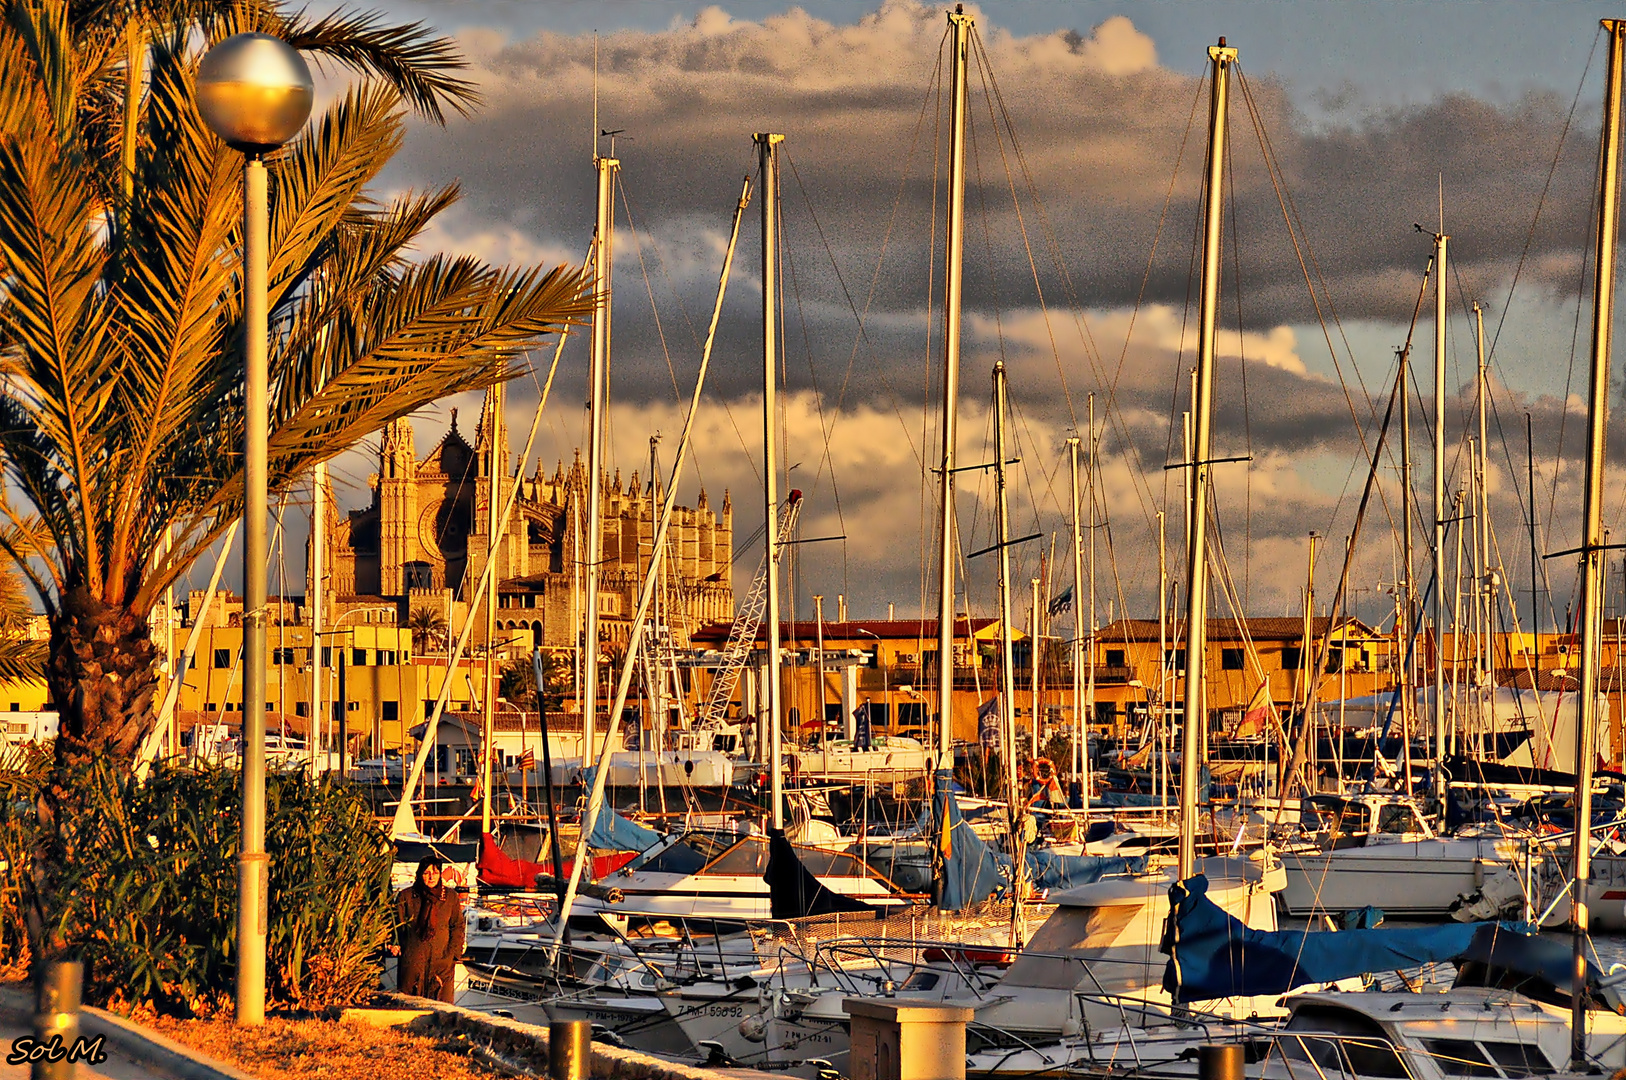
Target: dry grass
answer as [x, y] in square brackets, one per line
[289, 1049]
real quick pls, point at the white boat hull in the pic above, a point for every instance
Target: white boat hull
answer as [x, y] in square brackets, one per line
[1414, 878]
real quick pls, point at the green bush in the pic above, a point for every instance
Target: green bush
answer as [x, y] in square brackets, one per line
[147, 886]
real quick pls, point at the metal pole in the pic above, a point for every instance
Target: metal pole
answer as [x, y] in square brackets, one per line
[252, 861]
[1406, 618]
[1535, 571]
[1592, 564]
[1483, 593]
[1035, 647]
[1007, 674]
[962, 24]
[597, 403]
[318, 606]
[57, 994]
[496, 462]
[1089, 696]
[768, 156]
[1202, 417]
[818, 618]
[1439, 520]
[1081, 757]
[344, 698]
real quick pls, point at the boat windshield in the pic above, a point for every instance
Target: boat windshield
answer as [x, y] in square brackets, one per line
[1342, 1040]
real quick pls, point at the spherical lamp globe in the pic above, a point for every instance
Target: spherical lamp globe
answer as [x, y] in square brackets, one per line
[254, 91]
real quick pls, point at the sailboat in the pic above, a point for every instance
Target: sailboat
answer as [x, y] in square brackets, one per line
[1517, 998]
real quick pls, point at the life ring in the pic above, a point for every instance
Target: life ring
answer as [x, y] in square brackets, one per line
[1043, 769]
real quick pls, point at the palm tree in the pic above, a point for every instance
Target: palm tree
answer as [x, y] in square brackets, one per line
[121, 408]
[428, 627]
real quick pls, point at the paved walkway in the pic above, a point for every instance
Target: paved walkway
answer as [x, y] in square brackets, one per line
[117, 1066]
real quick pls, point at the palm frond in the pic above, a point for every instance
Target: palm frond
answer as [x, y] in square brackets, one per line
[169, 288]
[325, 174]
[411, 57]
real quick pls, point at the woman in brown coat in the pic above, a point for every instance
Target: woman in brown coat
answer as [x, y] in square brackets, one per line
[429, 920]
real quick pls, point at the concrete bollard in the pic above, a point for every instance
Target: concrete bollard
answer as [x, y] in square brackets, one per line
[905, 1040]
[570, 1050]
[1220, 1062]
[56, 1019]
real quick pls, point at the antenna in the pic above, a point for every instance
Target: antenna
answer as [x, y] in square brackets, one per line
[611, 133]
[595, 96]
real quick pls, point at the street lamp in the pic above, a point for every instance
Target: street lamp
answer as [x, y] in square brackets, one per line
[255, 92]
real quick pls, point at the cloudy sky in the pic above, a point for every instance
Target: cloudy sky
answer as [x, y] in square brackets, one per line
[1088, 132]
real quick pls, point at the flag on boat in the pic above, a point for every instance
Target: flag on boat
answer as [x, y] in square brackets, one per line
[988, 722]
[1062, 602]
[1256, 717]
[863, 727]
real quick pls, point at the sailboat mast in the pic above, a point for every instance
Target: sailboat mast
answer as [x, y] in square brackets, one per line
[1007, 673]
[1089, 697]
[768, 157]
[952, 276]
[1406, 619]
[495, 464]
[1486, 606]
[598, 395]
[1082, 625]
[319, 715]
[1439, 520]
[1592, 555]
[1202, 423]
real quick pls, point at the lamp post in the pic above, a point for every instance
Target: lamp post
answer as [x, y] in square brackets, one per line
[254, 91]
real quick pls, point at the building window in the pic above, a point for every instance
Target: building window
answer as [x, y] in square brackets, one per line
[327, 656]
[1292, 657]
[1115, 658]
[417, 575]
[209, 706]
[302, 708]
[1335, 659]
[358, 657]
[1231, 659]
[1175, 658]
[222, 658]
[390, 712]
[282, 657]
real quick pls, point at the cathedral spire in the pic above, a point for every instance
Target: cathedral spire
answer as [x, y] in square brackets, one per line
[492, 432]
[396, 457]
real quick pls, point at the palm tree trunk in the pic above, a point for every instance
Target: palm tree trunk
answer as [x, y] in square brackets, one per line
[102, 675]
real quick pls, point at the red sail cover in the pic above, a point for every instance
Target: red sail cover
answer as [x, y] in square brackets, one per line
[499, 870]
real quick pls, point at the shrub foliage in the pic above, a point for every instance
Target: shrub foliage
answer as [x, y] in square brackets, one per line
[146, 886]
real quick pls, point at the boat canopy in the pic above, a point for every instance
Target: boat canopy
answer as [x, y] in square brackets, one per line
[612, 832]
[973, 871]
[1213, 955]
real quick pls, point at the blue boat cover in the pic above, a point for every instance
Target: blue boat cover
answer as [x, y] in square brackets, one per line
[1048, 870]
[1213, 955]
[970, 871]
[612, 832]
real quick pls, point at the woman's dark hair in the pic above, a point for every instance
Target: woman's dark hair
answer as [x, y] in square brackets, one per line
[426, 897]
